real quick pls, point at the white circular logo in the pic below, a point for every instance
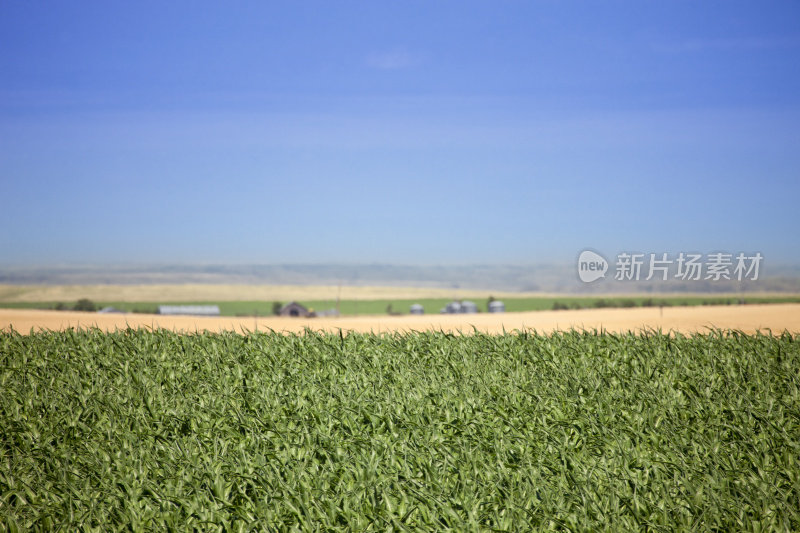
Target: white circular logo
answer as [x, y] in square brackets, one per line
[591, 266]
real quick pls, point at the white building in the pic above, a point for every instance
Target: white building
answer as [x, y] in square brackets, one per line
[193, 310]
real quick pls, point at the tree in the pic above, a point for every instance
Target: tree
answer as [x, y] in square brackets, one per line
[84, 304]
[276, 308]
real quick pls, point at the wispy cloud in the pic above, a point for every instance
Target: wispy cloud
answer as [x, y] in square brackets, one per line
[392, 59]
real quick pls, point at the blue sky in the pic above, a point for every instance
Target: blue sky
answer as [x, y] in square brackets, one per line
[396, 132]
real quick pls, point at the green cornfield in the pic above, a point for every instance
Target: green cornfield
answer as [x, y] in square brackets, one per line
[144, 430]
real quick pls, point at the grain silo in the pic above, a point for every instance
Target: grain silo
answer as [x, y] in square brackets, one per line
[468, 307]
[496, 306]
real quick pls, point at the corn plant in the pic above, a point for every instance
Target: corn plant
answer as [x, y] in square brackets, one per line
[144, 430]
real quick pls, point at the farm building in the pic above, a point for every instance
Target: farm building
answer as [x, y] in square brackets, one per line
[324, 313]
[455, 307]
[417, 309]
[194, 310]
[294, 309]
[496, 306]
[468, 307]
[452, 308]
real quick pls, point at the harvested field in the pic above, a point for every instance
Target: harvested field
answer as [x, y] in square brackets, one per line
[207, 292]
[747, 318]
[202, 292]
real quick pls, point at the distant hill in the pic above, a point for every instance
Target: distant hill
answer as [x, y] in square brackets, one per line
[555, 278]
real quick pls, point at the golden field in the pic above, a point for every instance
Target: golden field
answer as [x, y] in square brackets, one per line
[747, 318]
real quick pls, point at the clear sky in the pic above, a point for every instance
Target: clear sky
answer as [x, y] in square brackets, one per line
[397, 131]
